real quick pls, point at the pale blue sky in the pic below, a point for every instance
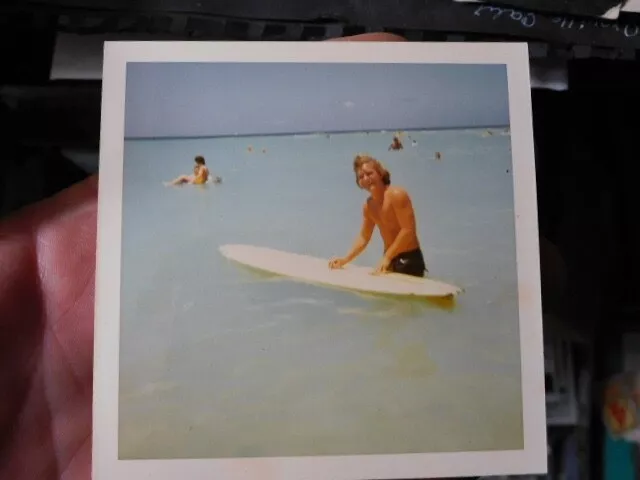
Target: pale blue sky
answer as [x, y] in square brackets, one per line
[220, 99]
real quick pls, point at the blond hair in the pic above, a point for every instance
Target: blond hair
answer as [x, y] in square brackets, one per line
[362, 159]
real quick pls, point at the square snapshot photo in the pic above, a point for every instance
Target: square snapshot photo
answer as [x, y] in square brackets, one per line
[317, 260]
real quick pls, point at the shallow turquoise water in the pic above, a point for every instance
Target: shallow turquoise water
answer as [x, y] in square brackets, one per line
[219, 361]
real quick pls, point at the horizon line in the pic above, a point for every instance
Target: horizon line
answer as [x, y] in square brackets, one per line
[309, 133]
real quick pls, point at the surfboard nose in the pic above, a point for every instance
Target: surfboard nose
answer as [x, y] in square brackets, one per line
[227, 248]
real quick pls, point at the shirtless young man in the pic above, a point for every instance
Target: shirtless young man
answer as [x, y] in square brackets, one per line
[200, 174]
[390, 209]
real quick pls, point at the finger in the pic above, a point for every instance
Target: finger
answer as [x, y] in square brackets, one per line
[370, 37]
[32, 217]
[47, 253]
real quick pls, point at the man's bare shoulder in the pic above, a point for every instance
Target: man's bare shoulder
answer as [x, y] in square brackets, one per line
[398, 195]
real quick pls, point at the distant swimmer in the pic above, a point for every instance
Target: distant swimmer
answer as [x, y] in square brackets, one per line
[438, 155]
[396, 144]
[199, 177]
[390, 209]
[249, 149]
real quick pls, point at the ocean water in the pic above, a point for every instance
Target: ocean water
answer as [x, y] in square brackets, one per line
[219, 361]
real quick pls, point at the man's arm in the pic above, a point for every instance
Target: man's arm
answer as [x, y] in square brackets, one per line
[366, 231]
[403, 208]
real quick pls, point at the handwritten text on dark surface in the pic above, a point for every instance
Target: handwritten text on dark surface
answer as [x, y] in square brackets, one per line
[530, 19]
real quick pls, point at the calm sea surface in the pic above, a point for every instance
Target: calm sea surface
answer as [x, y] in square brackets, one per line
[218, 361]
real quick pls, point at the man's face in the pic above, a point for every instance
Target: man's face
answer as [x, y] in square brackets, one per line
[368, 177]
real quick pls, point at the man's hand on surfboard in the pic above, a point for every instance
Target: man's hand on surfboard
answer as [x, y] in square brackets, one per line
[337, 263]
[383, 266]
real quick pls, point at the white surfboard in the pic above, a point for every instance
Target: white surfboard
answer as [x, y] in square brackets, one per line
[309, 269]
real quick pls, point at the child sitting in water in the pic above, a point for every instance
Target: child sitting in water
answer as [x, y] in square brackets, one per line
[199, 177]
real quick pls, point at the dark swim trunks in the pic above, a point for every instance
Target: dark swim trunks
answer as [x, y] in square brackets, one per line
[409, 263]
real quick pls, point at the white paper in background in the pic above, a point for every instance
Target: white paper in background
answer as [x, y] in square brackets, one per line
[548, 74]
[612, 14]
[631, 6]
[79, 57]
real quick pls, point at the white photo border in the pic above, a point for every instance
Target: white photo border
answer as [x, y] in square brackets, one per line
[106, 465]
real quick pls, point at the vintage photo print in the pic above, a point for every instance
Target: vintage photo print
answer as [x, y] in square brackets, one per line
[317, 261]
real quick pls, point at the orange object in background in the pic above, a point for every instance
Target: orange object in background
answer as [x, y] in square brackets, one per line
[621, 405]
